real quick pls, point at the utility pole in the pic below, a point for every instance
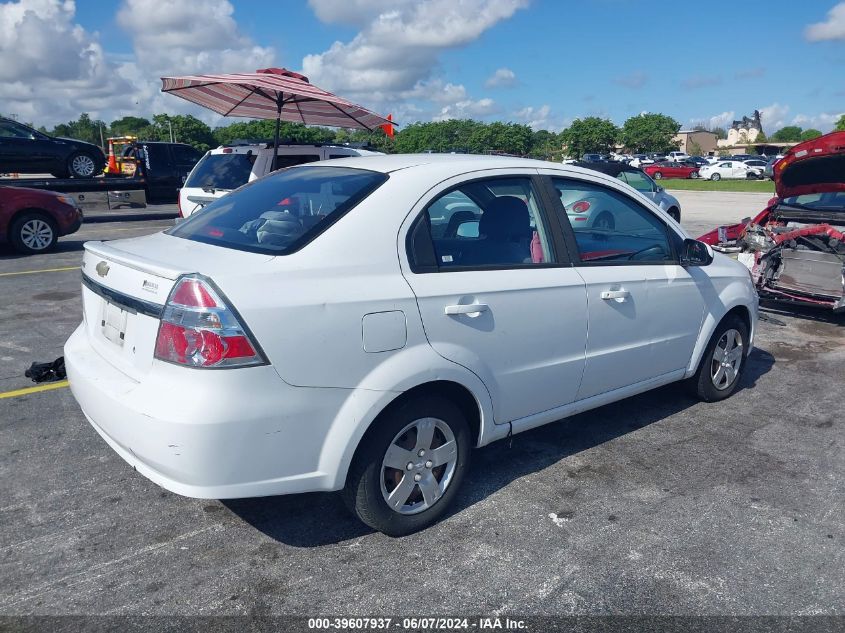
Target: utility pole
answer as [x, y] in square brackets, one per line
[170, 125]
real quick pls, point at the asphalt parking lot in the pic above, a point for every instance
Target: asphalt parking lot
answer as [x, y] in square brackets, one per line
[654, 505]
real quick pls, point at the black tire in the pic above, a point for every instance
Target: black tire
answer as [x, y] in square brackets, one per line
[693, 175]
[702, 384]
[364, 494]
[716, 177]
[33, 232]
[658, 175]
[83, 165]
[605, 220]
[676, 215]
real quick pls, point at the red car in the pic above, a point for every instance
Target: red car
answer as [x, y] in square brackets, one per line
[670, 170]
[795, 247]
[32, 220]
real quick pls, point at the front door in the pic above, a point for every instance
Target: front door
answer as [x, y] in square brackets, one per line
[644, 309]
[495, 293]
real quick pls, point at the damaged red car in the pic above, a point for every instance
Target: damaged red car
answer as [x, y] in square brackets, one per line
[795, 247]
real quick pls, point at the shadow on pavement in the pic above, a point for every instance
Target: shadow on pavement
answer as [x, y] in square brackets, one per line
[312, 520]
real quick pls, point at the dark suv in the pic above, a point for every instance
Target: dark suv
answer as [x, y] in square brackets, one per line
[24, 150]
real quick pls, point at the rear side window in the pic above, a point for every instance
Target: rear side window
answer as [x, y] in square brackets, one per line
[185, 154]
[221, 171]
[281, 213]
[291, 160]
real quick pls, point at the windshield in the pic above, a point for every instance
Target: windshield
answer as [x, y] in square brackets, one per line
[281, 213]
[221, 171]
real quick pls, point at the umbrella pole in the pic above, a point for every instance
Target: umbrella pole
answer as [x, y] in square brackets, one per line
[276, 135]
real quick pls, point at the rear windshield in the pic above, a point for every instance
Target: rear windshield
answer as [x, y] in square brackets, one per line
[282, 212]
[221, 171]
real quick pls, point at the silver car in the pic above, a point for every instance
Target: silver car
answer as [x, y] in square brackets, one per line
[639, 180]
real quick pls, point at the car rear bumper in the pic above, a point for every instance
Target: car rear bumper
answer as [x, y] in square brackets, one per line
[210, 434]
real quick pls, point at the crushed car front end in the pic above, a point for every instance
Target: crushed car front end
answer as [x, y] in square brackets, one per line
[795, 248]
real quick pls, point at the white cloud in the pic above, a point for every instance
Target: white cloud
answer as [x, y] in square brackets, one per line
[502, 78]
[540, 118]
[401, 45]
[437, 91]
[467, 109]
[353, 12]
[773, 117]
[831, 29]
[722, 120]
[51, 68]
[635, 80]
[824, 121]
[177, 37]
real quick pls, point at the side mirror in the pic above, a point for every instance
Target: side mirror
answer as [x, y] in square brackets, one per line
[658, 189]
[695, 253]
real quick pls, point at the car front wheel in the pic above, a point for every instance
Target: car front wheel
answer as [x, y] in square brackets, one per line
[409, 466]
[721, 366]
[33, 232]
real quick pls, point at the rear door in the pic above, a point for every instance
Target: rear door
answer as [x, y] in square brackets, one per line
[495, 291]
[184, 159]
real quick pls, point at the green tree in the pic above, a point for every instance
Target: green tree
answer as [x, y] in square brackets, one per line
[129, 126]
[788, 134]
[840, 124]
[720, 132]
[546, 145]
[84, 129]
[694, 149]
[650, 133]
[761, 137]
[185, 128]
[809, 135]
[589, 135]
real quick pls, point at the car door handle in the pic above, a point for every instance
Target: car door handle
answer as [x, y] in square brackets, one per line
[621, 295]
[470, 309]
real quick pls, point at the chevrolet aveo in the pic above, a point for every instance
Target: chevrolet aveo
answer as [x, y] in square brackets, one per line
[362, 324]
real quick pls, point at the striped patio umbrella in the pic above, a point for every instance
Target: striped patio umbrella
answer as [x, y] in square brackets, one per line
[273, 93]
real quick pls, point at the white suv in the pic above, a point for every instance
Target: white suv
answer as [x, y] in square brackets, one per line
[228, 167]
[677, 157]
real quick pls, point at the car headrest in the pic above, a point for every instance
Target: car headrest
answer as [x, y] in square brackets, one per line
[505, 217]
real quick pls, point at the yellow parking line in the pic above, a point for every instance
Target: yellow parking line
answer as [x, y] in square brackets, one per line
[44, 270]
[25, 392]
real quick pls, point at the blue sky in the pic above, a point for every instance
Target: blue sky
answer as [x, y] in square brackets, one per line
[542, 62]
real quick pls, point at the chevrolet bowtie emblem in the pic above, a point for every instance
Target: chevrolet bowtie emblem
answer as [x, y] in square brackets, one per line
[102, 269]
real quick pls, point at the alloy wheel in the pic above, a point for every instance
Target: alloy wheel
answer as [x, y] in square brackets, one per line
[727, 357]
[82, 165]
[418, 466]
[36, 234]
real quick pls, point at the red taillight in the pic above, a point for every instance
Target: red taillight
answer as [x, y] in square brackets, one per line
[198, 330]
[581, 206]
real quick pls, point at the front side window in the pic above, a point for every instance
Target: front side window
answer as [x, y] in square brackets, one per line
[282, 212]
[488, 223]
[610, 227]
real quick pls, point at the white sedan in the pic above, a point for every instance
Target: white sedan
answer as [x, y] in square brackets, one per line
[362, 324]
[728, 169]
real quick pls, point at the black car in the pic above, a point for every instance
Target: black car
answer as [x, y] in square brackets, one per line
[695, 161]
[24, 150]
[166, 165]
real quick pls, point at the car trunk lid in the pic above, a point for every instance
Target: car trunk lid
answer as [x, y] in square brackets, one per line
[126, 284]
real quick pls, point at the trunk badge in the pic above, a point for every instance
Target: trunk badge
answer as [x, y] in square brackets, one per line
[102, 269]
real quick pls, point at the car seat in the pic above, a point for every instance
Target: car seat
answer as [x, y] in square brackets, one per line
[504, 234]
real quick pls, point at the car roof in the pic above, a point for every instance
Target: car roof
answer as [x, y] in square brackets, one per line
[387, 163]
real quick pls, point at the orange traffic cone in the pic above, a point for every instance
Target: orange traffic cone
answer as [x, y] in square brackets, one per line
[111, 168]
